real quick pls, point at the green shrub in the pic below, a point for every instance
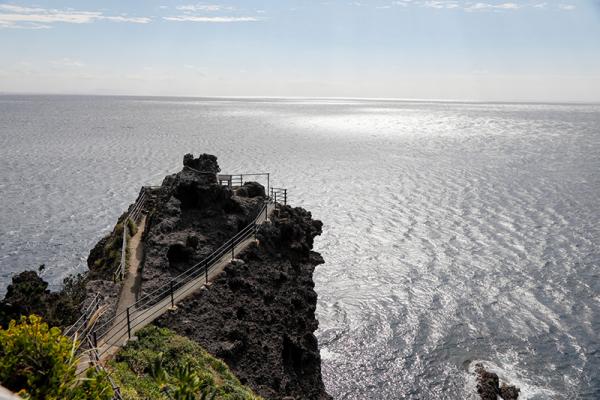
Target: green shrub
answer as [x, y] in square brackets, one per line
[132, 227]
[163, 365]
[38, 362]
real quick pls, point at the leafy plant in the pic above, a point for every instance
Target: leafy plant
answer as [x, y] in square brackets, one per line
[163, 365]
[131, 227]
[39, 362]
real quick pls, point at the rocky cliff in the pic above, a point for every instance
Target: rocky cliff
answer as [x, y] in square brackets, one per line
[259, 314]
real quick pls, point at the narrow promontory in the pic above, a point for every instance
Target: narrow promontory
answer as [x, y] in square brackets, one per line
[256, 313]
[259, 314]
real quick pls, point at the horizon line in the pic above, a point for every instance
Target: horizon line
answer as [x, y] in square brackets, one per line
[354, 98]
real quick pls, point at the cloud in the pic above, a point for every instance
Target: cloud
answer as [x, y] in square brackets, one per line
[205, 12]
[204, 7]
[566, 7]
[469, 6]
[16, 16]
[488, 7]
[68, 62]
[199, 18]
[439, 4]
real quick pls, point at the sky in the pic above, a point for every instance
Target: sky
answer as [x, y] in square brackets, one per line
[489, 50]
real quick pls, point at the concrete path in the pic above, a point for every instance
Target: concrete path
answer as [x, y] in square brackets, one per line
[122, 329]
[133, 278]
[131, 284]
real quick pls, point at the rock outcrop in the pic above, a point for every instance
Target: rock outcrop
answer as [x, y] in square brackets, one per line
[488, 386]
[28, 294]
[191, 217]
[259, 314]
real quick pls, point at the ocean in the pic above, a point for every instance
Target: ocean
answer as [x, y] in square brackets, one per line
[454, 233]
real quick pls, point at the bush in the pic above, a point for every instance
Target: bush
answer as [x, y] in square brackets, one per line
[28, 294]
[38, 362]
[132, 227]
[163, 365]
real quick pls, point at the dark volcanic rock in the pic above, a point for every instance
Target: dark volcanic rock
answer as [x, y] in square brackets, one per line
[291, 234]
[251, 189]
[488, 386]
[28, 294]
[509, 392]
[204, 163]
[192, 216]
[259, 315]
[488, 383]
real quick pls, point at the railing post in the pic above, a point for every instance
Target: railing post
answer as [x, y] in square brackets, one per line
[128, 324]
[172, 297]
[285, 197]
[268, 182]
[124, 249]
[95, 338]
[266, 212]
[275, 197]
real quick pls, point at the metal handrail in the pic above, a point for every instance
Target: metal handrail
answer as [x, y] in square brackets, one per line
[82, 320]
[124, 325]
[160, 293]
[279, 192]
[175, 284]
[239, 178]
[133, 215]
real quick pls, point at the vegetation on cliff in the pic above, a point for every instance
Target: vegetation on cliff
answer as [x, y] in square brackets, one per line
[258, 315]
[163, 365]
[105, 257]
[38, 362]
[28, 294]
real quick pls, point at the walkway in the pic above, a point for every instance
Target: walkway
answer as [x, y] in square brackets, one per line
[125, 326]
[133, 278]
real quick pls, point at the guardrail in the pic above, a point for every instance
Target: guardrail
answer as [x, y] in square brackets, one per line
[95, 360]
[280, 193]
[80, 326]
[122, 326]
[133, 215]
[233, 180]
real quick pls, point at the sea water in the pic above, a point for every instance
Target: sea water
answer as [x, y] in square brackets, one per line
[454, 233]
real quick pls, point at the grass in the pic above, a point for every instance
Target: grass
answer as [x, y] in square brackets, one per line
[111, 252]
[133, 228]
[164, 365]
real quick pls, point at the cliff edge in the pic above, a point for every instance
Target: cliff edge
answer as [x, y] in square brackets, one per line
[258, 315]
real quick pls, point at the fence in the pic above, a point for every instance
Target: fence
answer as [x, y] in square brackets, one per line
[279, 195]
[80, 326]
[133, 215]
[233, 180]
[95, 360]
[122, 326]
